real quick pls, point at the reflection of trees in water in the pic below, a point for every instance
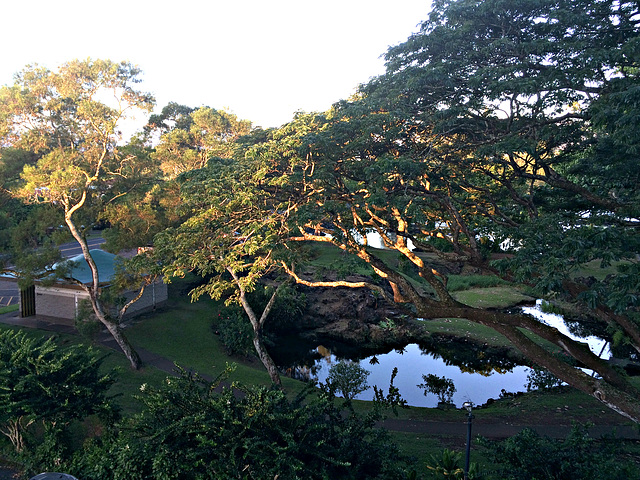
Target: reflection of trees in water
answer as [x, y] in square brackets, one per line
[298, 358]
[470, 357]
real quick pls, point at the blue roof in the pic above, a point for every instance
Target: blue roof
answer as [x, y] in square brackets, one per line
[105, 261]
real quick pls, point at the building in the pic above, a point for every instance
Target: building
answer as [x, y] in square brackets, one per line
[63, 300]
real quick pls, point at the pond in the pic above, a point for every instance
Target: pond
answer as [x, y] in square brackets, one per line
[413, 362]
[477, 377]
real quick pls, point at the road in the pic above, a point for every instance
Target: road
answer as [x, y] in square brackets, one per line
[72, 249]
[9, 293]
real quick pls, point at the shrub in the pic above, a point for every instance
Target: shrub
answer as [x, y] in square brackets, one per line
[235, 331]
[191, 428]
[528, 455]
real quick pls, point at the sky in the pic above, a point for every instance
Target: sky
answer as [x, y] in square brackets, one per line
[261, 60]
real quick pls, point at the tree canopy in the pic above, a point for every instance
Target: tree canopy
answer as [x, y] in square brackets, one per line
[501, 139]
[496, 129]
[69, 122]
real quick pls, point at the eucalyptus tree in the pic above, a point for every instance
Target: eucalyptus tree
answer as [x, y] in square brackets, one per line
[70, 120]
[497, 128]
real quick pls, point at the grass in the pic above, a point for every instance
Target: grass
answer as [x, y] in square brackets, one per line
[493, 297]
[460, 327]
[184, 334]
[10, 308]
[455, 283]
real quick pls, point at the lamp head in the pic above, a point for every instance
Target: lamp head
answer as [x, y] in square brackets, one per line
[468, 406]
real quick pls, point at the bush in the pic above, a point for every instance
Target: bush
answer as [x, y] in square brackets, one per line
[528, 456]
[289, 306]
[43, 389]
[235, 331]
[191, 428]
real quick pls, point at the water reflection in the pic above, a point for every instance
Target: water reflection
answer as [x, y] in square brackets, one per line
[479, 372]
[413, 362]
[597, 345]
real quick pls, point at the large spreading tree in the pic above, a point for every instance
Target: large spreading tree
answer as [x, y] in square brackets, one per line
[497, 128]
[69, 121]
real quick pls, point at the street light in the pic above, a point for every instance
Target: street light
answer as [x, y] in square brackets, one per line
[468, 406]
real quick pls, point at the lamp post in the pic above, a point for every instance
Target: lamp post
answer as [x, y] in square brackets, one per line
[468, 406]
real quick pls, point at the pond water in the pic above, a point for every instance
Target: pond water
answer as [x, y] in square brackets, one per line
[412, 363]
[597, 345]
[474, 381]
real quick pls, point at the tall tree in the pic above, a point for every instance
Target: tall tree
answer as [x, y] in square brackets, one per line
[70, 119]
[190, 140]
[230, 239]
[498, 126]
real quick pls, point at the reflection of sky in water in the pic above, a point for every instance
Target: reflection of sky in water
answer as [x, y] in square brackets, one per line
[595, 344]
[474, 387]
[413, 364]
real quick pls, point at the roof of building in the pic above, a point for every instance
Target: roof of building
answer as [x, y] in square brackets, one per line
[105, 261]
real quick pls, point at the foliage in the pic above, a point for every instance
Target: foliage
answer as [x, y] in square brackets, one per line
[348, 379]
[493, 131]
[533, 457]
[234, 240]
[85, 322]
[448, 466]
[235, 332]
[195, 137]
[191, 429]
[442, 387]
[68, 121]
[538, 378]
[53, 386]
[392, 399]
[287, 309]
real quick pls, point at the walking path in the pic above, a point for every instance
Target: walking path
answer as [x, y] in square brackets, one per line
[422, 427]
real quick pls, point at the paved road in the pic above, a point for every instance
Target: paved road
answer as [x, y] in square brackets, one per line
[9, 293]
[72, 249]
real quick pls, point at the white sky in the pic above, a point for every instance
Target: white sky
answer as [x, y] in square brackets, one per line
[262, 60]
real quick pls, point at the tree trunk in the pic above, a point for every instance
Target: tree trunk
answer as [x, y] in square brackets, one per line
[613, 389]
[257, 323]
[266, 359]
[94, 296]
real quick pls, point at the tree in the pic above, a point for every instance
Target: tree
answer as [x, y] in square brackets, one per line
[348, 379]
[192, 428]
[494, 129]
[442, 387]
[229, 240]
[69, 120]
[195, 137]
[39, 381]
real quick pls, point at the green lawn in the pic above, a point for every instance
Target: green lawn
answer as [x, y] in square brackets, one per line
[492, 297]
[10, 308]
